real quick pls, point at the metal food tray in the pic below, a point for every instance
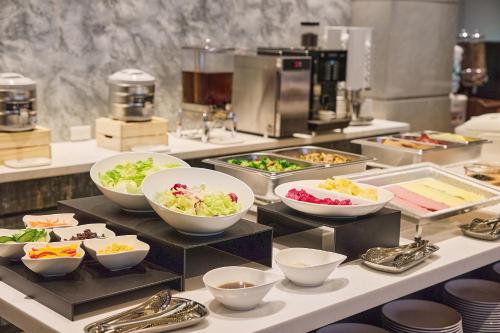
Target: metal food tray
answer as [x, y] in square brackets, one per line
[296, 152]
[428, 170]
[430, 249]
[263, 182]
[442, 154]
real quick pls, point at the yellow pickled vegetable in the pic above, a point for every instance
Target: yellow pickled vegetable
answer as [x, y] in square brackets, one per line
[346, 186]
[115, 248]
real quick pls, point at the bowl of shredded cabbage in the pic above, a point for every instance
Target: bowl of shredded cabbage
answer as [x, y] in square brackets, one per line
[196, 201]
[120, 177]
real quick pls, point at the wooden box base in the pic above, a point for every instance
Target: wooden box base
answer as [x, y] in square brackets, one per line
[122, 136]
[22, 145]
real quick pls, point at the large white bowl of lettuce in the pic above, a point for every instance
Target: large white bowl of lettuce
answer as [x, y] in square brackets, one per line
[119, 177]
[196, 201]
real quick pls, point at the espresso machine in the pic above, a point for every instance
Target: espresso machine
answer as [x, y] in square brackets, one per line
[271, 93]
[207, 77]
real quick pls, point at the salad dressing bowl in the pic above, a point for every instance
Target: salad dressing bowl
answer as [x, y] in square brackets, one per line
[239, 299]
[119, 260]
[214, 181]
[360, 206]
[308, 267]
[52, 266]
[134, 202]
[14, 250]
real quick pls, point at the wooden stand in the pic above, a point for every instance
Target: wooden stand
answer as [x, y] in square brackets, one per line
[121, 136]
[21, 145]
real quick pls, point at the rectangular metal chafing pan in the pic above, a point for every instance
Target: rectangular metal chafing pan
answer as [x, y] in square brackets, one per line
[442, 154]
[428, 170]
[296, 152]
[263, 182]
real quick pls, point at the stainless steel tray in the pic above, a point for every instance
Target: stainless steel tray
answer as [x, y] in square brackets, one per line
[296, 152]
[442, 154]
[263, 183]
[425, 170]
[430, 249]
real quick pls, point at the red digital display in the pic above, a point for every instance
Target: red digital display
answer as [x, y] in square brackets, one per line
[297, 64]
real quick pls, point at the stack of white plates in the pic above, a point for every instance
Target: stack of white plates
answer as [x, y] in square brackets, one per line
[419, 316]
[351, 328]
[478, 301]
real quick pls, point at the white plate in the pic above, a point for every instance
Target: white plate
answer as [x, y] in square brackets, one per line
[360, 206]
[15, 250]
[215, 181]
[66, 220]
[52, 266]
[121, 260]
[100, 229]
[130, 202]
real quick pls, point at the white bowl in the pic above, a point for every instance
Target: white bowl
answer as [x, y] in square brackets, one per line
[15, 250]
[360, 205]
[52, 266]
[65, 218]
[215, 181]
[100, 229]
[308, 267]
[127, 201]
[243, 298]
[117, 261]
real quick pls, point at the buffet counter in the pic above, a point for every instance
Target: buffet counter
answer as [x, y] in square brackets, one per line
[77, 157]
[352, 288]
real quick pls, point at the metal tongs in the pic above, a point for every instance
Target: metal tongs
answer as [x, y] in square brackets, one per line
[396, 256]
[491, 226]
[160, 310]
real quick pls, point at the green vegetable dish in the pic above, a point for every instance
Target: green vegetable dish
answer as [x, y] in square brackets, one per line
[267, 164]
[25, 236]
[127, 177]
[198, 201]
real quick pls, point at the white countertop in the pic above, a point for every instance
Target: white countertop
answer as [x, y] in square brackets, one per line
[78, 157]
[351, 289]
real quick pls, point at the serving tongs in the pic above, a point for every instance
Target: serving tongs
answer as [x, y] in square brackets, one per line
[482, 228]
[396, 256]
[159, 312]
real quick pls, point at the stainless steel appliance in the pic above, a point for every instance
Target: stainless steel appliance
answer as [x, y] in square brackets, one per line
[131, 95]
[271, 94]
[328, 68]
[17, 103]
[207, 77]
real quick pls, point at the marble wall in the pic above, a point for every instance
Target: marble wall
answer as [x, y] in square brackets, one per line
[70, 46]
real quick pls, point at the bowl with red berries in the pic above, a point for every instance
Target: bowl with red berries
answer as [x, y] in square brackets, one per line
[307, 196]
[197, 201]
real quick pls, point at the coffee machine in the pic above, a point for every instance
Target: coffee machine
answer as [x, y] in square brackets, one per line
[328, 68]
[271, 93]
[207, 75]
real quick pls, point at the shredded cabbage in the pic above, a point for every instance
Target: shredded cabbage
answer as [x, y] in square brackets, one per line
[198, 201]
[127, 177]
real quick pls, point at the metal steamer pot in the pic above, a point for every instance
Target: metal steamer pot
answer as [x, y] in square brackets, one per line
[131, 95]
[17, 103]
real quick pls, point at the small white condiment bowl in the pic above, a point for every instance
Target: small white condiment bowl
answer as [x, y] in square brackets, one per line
[66, 220]
[215, 181]
[128, 201]
[52, 266]
[121, 260]
[15, 250]
[243, 298]
[100, 229]
[308, 267]
[360, 206]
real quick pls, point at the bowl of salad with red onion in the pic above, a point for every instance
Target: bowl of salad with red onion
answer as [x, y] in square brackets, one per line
[197, 201]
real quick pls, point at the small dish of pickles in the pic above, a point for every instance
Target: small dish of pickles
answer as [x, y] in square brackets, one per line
[12, 241]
